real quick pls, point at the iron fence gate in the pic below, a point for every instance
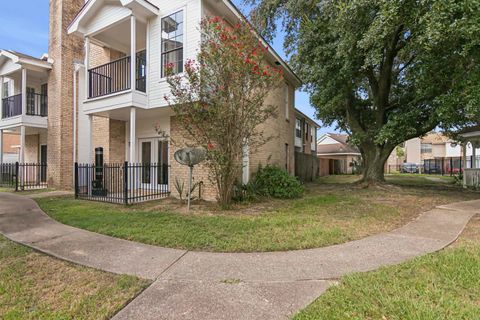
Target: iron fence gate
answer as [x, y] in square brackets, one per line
[123, 183]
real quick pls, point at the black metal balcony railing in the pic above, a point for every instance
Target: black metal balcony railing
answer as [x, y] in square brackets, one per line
[114, 76]
[37, 105]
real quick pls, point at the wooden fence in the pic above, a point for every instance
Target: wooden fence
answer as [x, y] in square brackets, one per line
[307, 166]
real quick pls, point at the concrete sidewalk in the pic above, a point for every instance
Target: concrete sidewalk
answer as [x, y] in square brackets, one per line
[201, 285]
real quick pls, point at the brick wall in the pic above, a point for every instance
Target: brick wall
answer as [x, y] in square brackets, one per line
[9, 141]
[281, 130]
[180, 172]
[274, 152]
[31, 148]
[64, 49]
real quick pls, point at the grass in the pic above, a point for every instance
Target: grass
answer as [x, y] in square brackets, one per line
[27, 192]
[36, 286]
[443, 285]
[330, 213]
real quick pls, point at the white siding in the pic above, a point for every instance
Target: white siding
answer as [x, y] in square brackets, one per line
[158, 87]
[106, 16]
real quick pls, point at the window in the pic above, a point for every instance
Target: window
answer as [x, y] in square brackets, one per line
[298, 128]
[426, 148]
[307, 131]
[5, 89]
[172, 42]
[287, 102]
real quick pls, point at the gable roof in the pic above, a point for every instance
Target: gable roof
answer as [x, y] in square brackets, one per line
[142, 7]
[297, 111]
[341, 145]
[25, 59]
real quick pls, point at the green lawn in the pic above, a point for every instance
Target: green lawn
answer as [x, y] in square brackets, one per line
[36, 286]
[443, 285]
[328, 214]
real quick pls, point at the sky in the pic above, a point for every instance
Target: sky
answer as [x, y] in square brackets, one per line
[24, 28]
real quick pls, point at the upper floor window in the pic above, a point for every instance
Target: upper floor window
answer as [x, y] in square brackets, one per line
[426, 148]
[172, 42]
[298, 128]
[307, 131]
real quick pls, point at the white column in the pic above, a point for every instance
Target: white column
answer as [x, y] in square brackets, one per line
[1, 96]
[22, 144]
[1, 146]
[24, 91]
[132, 158]
[87, 65]
[133, 52]
[90, 138]
[474, 156]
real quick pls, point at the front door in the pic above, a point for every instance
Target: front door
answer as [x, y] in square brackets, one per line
[154, 160]
[43, 163]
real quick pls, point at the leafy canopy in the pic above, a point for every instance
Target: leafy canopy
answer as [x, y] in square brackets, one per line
[386, 70]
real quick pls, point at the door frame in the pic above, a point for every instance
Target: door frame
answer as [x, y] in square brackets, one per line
[153, 158]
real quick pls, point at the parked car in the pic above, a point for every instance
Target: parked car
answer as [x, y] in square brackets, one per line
[409, 167]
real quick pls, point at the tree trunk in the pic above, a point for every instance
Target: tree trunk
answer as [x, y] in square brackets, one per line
[374, 159]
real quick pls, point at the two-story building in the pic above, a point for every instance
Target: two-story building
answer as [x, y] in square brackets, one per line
[105, 79]
[24, 103]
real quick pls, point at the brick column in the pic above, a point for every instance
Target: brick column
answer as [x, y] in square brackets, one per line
[64, 49]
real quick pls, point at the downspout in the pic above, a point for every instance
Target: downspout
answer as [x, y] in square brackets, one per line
[76, 68]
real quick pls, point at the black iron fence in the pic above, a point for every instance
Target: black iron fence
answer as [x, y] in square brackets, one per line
[115, 77]
[23, 176]
[442, 166]
[123, 183]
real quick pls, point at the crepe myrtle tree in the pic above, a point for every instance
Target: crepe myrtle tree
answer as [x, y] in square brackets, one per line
[383, 70]
[220, 98]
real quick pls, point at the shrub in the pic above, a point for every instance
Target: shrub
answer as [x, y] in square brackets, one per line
[272, 181]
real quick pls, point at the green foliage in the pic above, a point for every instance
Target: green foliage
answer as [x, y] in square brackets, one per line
[384, 70]
[183, 191]
[272, 181]
[220, 98]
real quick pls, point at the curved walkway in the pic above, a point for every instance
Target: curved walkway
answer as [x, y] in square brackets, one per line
[201, 285]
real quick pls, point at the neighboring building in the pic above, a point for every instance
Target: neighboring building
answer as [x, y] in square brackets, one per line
[336, 154]
[470, 139]
[434, 145]
[88, 76]
[305, 133]
[307, 165]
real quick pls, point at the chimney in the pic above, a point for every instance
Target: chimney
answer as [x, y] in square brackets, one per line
[63, 49]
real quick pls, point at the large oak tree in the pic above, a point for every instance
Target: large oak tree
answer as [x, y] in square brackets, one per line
[383, 70]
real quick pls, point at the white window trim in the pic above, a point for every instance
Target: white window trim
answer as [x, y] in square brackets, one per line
[169, 13]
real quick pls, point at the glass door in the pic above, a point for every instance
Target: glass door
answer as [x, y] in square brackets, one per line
[162, 162]
[154, 161]
[146, 160]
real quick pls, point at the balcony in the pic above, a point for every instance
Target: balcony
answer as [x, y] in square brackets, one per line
[36, 105]
[114, 77]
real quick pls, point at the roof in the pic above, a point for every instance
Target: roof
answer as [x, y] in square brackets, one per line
[307, 117]
[22, 58]
[74, 28]
[435, 138]
[469, 132]
[340, 147]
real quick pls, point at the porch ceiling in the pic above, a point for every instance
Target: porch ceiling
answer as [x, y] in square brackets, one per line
[96, 15]
[118, 36]
[11, 62]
